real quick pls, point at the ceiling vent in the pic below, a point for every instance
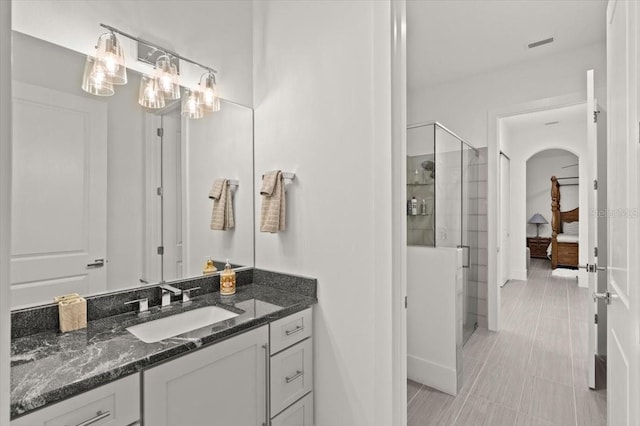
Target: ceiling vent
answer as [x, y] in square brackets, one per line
[540, 43]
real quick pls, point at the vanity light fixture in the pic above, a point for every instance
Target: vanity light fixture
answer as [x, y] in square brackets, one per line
[110, 55]
[108, 68]
[167, 75]
[192, 106]
[150, 95]
[209, 92]
[94, 79]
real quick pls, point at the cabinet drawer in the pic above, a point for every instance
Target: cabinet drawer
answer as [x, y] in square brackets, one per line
[299, 414]
[114, 404]
[291, 375]
[289, 330]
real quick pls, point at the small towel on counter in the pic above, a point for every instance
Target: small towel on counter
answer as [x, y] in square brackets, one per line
[272, 213]
[222, 213]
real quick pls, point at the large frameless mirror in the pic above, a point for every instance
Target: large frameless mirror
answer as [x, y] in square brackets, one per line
[102, 199]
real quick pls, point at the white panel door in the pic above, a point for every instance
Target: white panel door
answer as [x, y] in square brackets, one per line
[623, 339]
[172, 195]
[505, 223]
[592, 226]
[59, 199]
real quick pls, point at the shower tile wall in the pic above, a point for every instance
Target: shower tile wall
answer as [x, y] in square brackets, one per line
[478, 270]
[420, 184]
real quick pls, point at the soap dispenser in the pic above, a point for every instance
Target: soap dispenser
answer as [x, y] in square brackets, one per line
[227, 280]
[209, 267]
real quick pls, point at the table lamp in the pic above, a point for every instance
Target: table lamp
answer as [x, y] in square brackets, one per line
[537, 219]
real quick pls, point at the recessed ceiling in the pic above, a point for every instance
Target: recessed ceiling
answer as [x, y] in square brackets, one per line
[452, 39]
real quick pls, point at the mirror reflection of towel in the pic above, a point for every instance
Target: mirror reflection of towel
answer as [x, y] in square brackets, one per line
[222, 212]
[272, 213]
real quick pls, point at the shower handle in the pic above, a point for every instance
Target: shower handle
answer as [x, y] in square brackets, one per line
[468, 255]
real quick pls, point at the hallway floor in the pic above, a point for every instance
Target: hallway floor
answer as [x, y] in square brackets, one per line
[533, 372]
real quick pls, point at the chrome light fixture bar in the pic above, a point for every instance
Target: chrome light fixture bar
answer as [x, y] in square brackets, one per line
[107, 69]
[157, 47]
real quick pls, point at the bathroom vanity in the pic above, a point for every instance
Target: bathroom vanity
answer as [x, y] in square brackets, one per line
[255, 368]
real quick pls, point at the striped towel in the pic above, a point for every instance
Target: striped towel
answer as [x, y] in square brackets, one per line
[222, 213]
[272, 213]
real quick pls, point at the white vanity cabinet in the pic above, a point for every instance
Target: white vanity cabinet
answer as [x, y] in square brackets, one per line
[291, 370]
[114, 404]
[223, 384]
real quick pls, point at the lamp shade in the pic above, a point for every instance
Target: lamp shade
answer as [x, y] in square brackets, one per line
[537, 219]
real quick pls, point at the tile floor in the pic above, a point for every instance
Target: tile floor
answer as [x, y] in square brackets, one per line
[533, 372]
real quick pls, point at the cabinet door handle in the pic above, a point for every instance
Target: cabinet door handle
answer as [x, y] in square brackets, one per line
[99, 416]
[295, 376]
[266, 384]
[295, 330]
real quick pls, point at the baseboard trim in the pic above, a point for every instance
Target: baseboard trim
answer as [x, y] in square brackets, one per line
[433, 375]
[519, 274]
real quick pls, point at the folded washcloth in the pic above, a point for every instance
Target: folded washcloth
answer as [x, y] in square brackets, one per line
[272, 213]
[222, 213]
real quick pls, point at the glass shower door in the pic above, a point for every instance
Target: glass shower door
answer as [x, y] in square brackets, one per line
[469, 238]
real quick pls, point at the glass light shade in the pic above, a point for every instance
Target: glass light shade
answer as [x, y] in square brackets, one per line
[167, 75]
[192, 104]
[94, 79]
[150, 95]
[110, 53]
[209, 93]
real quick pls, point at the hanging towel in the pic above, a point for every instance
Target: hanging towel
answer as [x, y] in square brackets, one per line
[272, 213]
[222, 213]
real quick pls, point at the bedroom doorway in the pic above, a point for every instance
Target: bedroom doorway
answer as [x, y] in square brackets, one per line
[559, 138]
[553, 204]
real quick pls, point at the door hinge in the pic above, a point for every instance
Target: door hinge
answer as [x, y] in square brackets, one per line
[595, 251]
[595, 318]
[159, 191]
[595, 116]
[160, 250]
[595, 184]
[160, 132]
[405, 302]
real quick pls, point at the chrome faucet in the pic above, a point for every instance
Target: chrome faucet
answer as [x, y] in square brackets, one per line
[167, 290]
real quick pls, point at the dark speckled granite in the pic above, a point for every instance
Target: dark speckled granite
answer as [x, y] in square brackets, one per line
[45, 317]
[285, 282]
[48, 366]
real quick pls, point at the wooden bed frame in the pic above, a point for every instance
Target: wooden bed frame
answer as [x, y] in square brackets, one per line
[562, 254]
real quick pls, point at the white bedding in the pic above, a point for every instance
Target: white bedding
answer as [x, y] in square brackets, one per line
[566, 238]
[563, 238]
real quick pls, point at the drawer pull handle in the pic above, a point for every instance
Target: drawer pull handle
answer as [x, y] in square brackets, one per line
[99, 416]
[294, 331]
[295, 376]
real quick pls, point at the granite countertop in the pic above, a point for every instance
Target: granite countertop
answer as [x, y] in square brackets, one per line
[49, 366]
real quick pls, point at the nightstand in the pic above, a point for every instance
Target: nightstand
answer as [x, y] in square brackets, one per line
[538, 246]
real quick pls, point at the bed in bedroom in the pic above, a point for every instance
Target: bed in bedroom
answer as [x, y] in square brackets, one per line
[564, 237]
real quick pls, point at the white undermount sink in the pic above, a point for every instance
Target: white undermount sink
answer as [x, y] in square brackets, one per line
[164, 328]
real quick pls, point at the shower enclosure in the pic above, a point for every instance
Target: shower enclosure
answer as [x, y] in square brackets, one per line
[442, 203]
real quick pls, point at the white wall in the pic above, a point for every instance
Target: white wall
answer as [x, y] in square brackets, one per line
[213, 144]
[522, 146]
[215, 33]
[322, 112]
[540, 168]
[462, 105]
[5, 207]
